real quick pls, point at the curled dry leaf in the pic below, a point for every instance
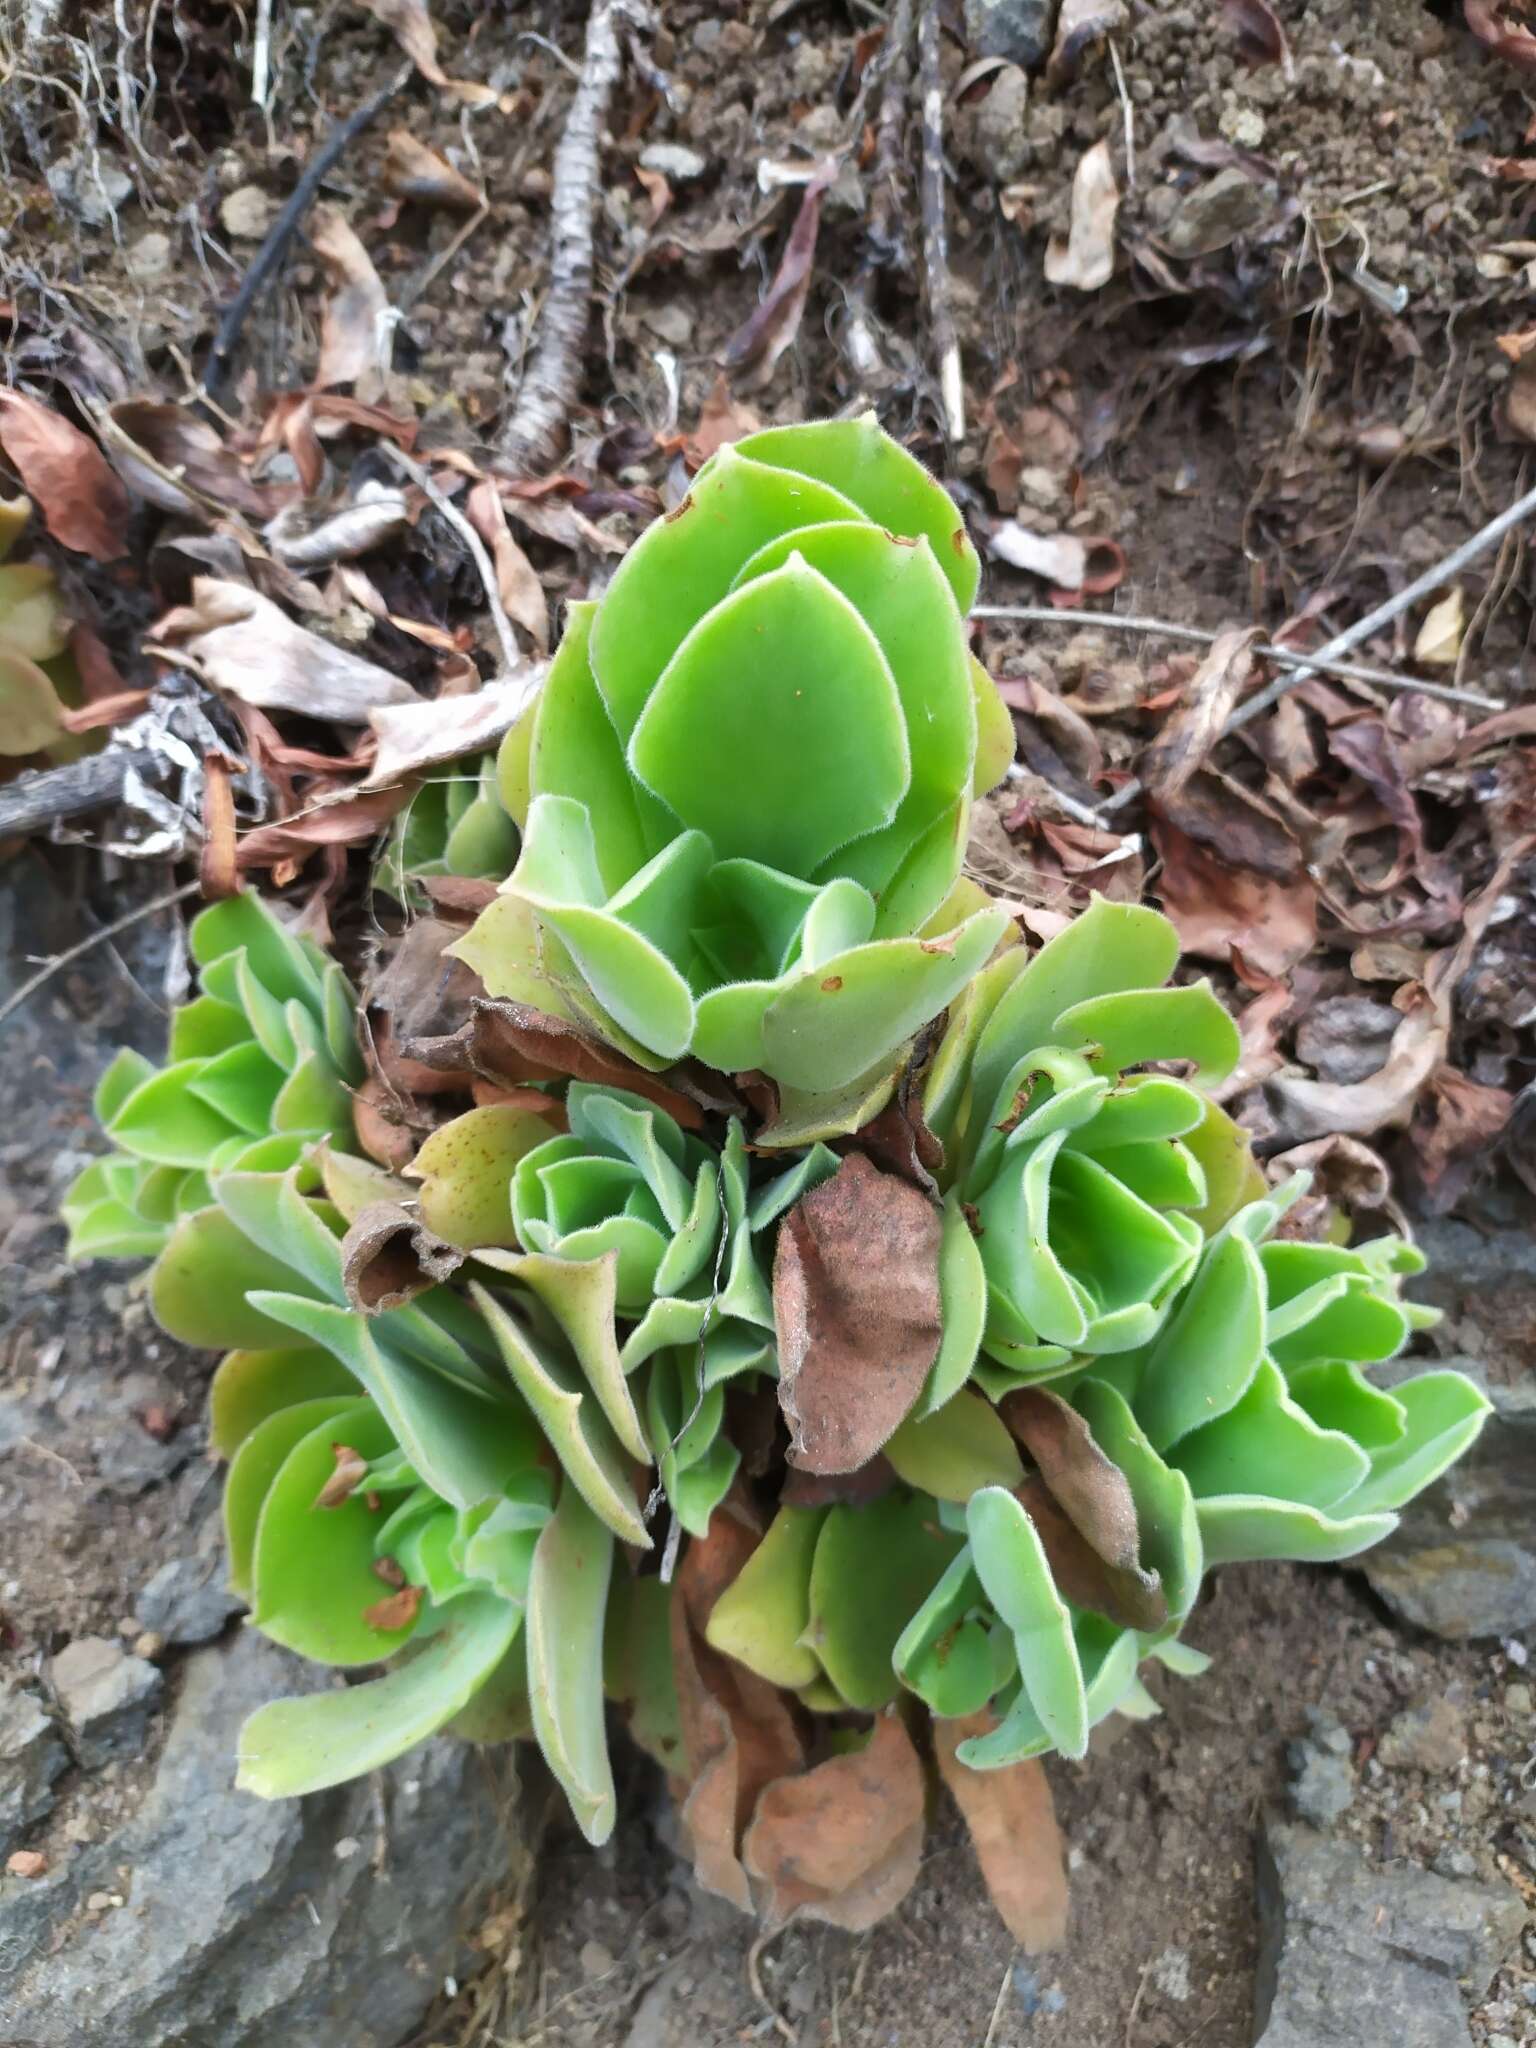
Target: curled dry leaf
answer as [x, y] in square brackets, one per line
[412, 27]
[856, 1304]
[763, 337]
[1189, 735]
[517, 581]
[388, 1258]
[81, 499]
[1493, 23]
[424, 734]
[722, 418]
[355, 327]
[1220, 906]
[340, 819]
[218, 866]
[192, 454]
[1454, 1131]
[1260, 38]
[1012, 1821]
[1086, 259]
[1439, 638]
[243, 644]
[841, 1842]
[1081, 24]
[413, 171]
[1346, 1175]
[377, 515]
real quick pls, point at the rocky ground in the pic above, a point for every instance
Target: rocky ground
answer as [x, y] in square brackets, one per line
[1288, 391]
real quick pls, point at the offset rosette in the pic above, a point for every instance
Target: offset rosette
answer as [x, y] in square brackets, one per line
[259, 1065]
[746, 787]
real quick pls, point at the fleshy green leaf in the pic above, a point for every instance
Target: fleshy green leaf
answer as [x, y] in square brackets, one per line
[251, 1385]
[567, 1597]
[760, 1619]
[1012, 1567]
[873, 1566]
[1445, 1413]
[956, 1449]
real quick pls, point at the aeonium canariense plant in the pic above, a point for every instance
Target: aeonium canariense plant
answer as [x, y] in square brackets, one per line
[746, 788]
[628, 1387]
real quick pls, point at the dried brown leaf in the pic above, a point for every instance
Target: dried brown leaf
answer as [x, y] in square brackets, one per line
[388, 1258]
[423, 734]
[412, 27]
[1189, 735]
[344, 820]
[1489, 21]
[242, 643]
[1086, 259]
[1080, 25]
[1454, 1131]
[763, 337]
[1219, 906]
[1060, 558]
[351, 1470]
[856, 1304]
[517, 581]
[1260, 38]
[354, 328]
[81, 499]
[722, 418]
[218, 865]
[191, 451]
[1012, 1821]
[413, 171]
[841, 1842]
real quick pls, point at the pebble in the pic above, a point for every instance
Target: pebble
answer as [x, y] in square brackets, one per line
[1431, 1736]
[679, 165]
[107, 1695]
[149, 257]
[247, 213]
[185, 1602]
[1517, 1701]
[596, 1960]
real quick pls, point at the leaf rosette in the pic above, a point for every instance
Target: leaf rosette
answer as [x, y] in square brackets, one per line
[258, 1067]
[746, 786]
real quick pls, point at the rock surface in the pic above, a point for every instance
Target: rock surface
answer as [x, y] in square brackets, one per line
[215, 1920]
[186, 1601]
[1462, 1562]
[31, 1757]
[1429, 1737]
[1020, 30]
[1354, 1957]
[1322, 1781]
[107, 1695]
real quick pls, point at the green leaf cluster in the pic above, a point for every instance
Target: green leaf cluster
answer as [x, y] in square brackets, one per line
[258, 1066]
[455, 824]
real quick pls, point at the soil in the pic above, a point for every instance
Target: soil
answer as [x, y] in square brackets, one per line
[1320, 405]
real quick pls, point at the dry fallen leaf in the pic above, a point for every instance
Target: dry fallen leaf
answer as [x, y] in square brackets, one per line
[840, 1843]
[355, 327]
[1260, 38]
[422, 734]
[388, 1257]
[1218, 905]
[763, 337]
[242, 643]
[517, 580]
[856, 1304]
[412, 27]
[82, 501]
[722, 418]
[1489, 21]
[1061, 558]
[1086, 259]
[413, 171]
[1012, 1821]
[1439, 638]
[1189, 735]
[1081, 24]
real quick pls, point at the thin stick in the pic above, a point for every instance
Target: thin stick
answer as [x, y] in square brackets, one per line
[997, 2010]
[1282, 657]
[1384, 614]
[261, 60]
[511, 654]
[42, 795]
[755, 1979]
[1127, 115]
[885, 193]
[531, 438]
[46, 973]
[1141, 1987]
[941, 316]
[284, 228]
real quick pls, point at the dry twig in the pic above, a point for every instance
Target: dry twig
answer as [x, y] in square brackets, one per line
[41, 795]
[941, 316]
[881, 231]
[530, 439]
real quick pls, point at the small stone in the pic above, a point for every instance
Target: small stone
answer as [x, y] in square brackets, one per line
[1455, 1863]
[26, 1863]
[247, 213]
[1346, 1038]
[31, 1757]
[1429, 1737]
[149, 1645]
[1242, 125]
[1322, 1783]
[107, 1695]
[671, 323]
[186, 1601]
[677, 164]
[1170, 1974]
[1215, 213]
[1327, 1733]
[149, 257]
[1020, 30]
[102, 1902]
[998, 142]
[89, 185]
[596, 1960]
[1517, 1701]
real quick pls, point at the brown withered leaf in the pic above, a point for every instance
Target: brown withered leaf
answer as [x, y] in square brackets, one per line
[1238, 824]
[388, 1258]
[762, 338]
[413, 171]
[354, 328]
[1260, 38]
[839, 1489]
[341, 820]
[1080, 25]
[193, 452]
[856, 1305]
[242, 643]
[1347, 1176]
[218, 866]
[1012, 1821]
[1053, 732]
[899, 1140]
[1093, 1494]
[413, 28]
[517, 580]
[1218, 905]
[722, 418]
[1189, 735]
[424, 734]
[380, 1114]
[1490, 21]
[1086, 258]
[1457, 1124]
[80, 497]
[841, 1842]
[351, 1468]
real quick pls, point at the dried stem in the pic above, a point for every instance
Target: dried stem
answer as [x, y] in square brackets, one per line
[941, 316]
[881, 231]
[531, 438]
[40, 796]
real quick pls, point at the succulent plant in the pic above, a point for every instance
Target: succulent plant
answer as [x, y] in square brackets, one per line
[455, 824]
[746, 786]
[258, 1066]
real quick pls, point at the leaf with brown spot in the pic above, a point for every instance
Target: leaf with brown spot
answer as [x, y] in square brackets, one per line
[395, 1610]
[856, 1306]
[1092, 1492]
[1012, 1821]
[388, 1258]
[841, 1843]
[83, 503]
[351, 1467]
